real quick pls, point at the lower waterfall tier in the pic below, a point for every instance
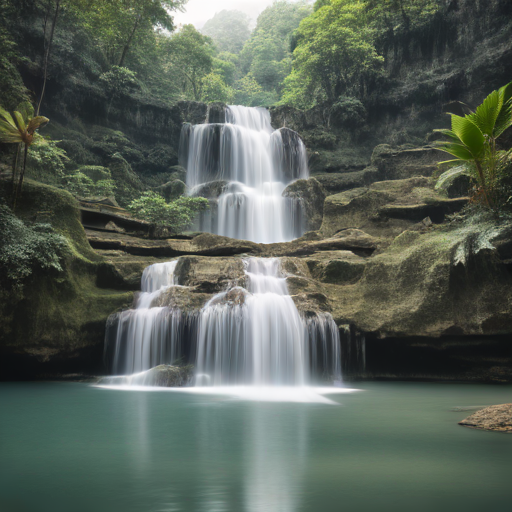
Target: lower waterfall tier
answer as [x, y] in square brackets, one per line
[252, 336]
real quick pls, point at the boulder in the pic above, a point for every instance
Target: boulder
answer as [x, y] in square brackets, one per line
[172, 190]
[164, 375]
[336, 267]
[216, 113]
[312, 196]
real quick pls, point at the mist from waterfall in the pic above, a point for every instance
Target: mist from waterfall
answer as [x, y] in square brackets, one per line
[254, 164]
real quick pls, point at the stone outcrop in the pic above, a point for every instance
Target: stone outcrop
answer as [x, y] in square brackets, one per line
[497, 418]
[387, 208]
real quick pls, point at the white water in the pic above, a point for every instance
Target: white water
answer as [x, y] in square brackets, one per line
[257, 165]
[148, 336]
[244, 336]
[261, 341]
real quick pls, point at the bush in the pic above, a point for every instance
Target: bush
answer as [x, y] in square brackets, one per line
[176, 215]
[119, 81]
[26, 249]
[81, 185]
[348, 112]
[46, 161]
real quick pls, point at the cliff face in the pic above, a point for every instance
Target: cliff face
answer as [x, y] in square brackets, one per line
[463, 54]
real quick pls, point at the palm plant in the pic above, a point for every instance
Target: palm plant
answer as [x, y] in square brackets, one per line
[472, 140]
[19, 127]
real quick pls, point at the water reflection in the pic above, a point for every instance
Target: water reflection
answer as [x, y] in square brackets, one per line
[235, 456]
[276, 448]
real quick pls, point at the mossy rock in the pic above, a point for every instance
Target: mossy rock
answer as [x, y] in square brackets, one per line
[161, 158]
[128, 184]
[58, 325]
[172, 190]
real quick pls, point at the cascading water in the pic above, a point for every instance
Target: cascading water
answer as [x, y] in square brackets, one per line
[253, 335]
[258, 338]
[147, 336]
[255, 164]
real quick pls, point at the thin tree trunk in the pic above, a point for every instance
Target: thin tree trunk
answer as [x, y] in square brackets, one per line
[129, 42]
[14, 169]
[47, 55]
[488, 200]
[22, 174]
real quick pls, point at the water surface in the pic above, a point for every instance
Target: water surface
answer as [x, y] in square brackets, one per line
[389, 447]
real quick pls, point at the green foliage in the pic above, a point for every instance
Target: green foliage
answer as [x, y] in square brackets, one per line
[26, 249]
[81, 185]
[11, 84]
[176, 215]
[348, 112]
[335, 55]
[266, 56]
[229, 30]
[472, 140]
[191, 58]
[392, 15]
[250, 93]
[214, 89]
[46, 161]
[119, 81]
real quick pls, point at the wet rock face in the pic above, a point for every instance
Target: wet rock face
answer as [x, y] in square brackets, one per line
[216, 113]
[497, 418]
[312, 196]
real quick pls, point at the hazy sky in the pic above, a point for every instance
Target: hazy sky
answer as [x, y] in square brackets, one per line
[200, 11]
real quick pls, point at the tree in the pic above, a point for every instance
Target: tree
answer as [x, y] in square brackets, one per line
[214, 89]
[229, 30]
[191, 58]
[472, 140]
[19, 127]
[176, 215]
[391, 14]
[335, 55]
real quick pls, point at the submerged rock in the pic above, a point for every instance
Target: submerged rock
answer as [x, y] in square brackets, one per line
[497, 418]
[164, 375]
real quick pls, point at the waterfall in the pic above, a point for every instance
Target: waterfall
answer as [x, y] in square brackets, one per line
[256, 163]
[259, 339]
[246, 335]
[147, 336]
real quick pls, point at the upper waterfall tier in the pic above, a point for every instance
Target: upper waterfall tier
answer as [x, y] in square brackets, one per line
[256, 162]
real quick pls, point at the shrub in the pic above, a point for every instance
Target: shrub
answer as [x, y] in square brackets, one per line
[176, 215]
[26, 249]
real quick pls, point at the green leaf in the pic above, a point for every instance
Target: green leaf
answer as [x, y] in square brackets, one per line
[469, 134]
[504, 120]
[457, 150]
[487, 113]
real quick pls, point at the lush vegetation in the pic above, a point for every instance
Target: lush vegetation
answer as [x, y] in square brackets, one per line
[26, 249]
[176, 215]
[473, 141]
